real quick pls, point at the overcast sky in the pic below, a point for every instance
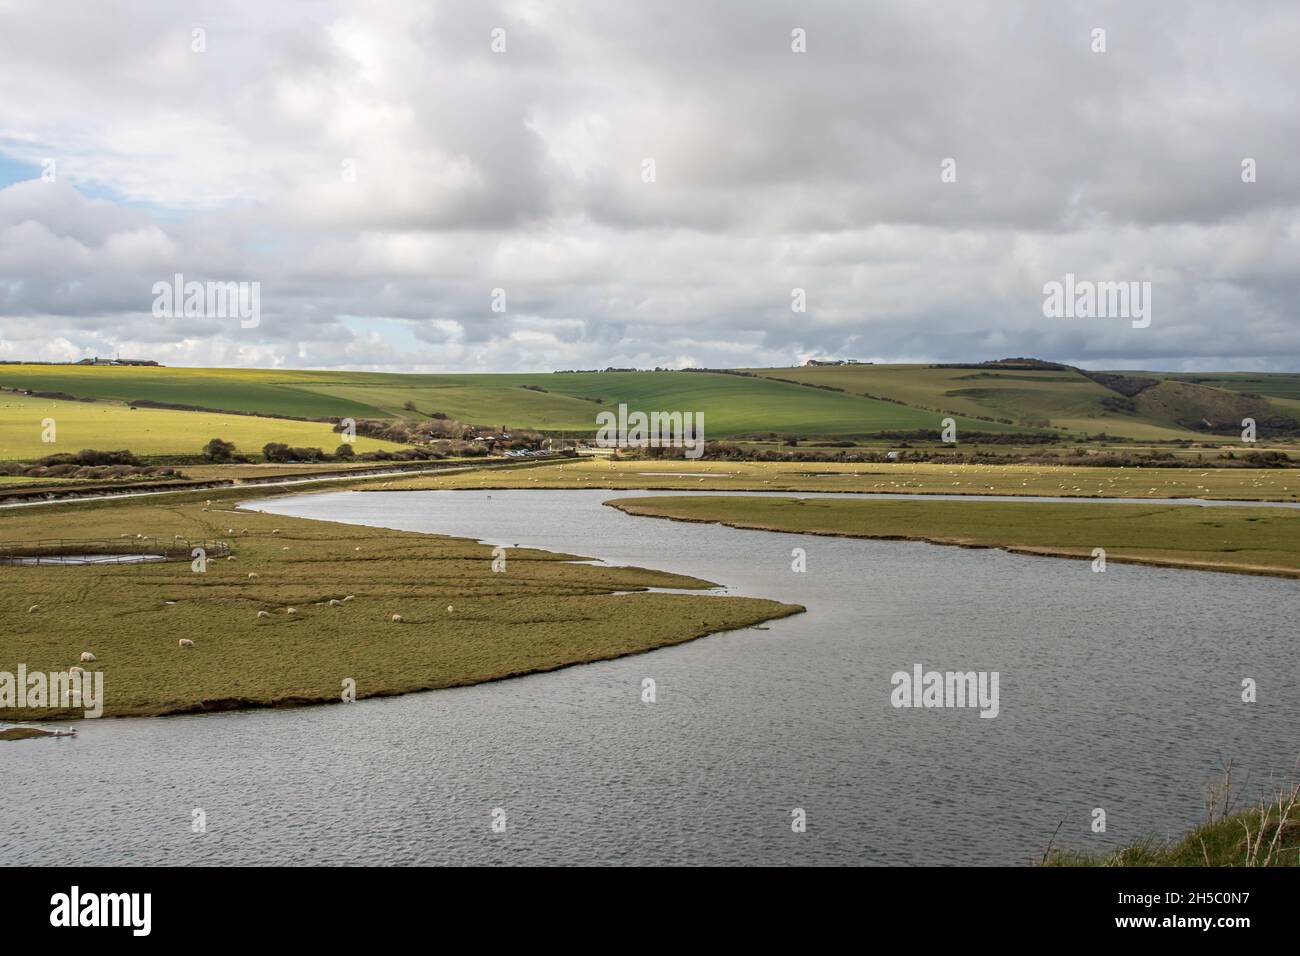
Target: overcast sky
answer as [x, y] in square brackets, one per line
[380, 170]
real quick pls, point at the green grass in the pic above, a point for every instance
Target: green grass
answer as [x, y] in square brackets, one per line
[892, 478]
[1065, 398]
[542, 613]
[866, 399]
[1245, 540]
[1222, 842]
[149, 431]
[730, 404]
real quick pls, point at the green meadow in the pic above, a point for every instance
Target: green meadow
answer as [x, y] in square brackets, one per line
[731, 404]
[1245, 540]
[461, 621]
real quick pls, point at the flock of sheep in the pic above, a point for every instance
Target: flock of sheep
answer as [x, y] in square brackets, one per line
[185, 642]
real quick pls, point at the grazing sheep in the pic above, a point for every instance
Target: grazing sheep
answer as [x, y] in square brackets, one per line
[263, 614]
[86, 656]
[230, 557]
[291, 610]
[335, 602]
[448, 608]
[33, 609]
[397, 619]
[275, 531]
[252, 574]
[184, 642]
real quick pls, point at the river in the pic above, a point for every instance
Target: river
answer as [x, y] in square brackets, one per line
[1119, 691]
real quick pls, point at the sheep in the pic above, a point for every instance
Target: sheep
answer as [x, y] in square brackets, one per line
[291, 610]
[33, 609]
[184, 642]
[448, 608]
[263, 614]
[397, 619]
[275, 531]
[348, 598]
[252, 574]
[86, 656]
[335, 602]
[74, 669]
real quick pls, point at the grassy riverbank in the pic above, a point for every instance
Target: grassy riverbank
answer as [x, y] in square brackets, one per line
[1243, 484]
[1244, 540]
[463, 622]
[1248, 838]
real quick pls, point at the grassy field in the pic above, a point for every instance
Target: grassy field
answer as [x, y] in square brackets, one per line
[463, 623]
[1243, 540]
[844, 400]
[900, 477]
[1064, 398]
[568, 402]
[149, 431]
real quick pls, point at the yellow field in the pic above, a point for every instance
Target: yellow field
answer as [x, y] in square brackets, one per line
[149, 431]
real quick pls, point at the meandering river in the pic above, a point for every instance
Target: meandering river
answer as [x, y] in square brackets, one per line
[1119, 691]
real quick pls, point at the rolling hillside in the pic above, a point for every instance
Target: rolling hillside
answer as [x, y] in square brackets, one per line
[731, 404]
[822, 401]
[1138, 405]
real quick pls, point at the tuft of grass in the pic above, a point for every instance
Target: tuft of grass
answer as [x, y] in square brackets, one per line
[1267, 834]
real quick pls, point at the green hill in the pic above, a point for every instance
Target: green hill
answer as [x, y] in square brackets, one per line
[568, 401]
[1139, 405]
[825, 401]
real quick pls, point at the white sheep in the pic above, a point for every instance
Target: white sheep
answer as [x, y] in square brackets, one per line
[397, 619]
[33, 609]
[275, 531]
[335, 602]
[252, 574]
[263, 614]
[448, 608]
[184, 642]
[86, 656]
[291, 610]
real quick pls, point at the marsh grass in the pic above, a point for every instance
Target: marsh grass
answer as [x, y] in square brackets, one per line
[543, 613]
[1244, 540]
